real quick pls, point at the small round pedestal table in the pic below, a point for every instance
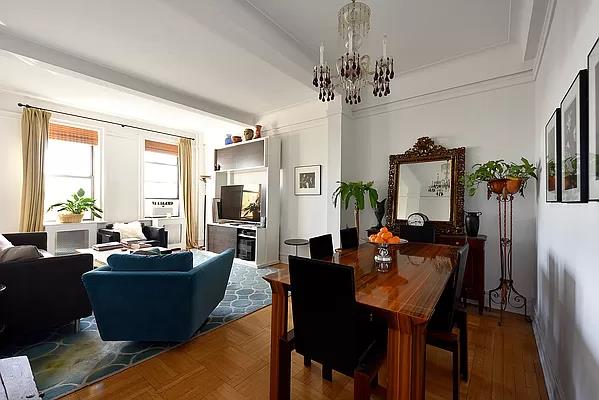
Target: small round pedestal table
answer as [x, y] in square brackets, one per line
[296, 243]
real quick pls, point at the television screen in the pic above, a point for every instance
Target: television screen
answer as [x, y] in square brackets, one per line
[240, 202]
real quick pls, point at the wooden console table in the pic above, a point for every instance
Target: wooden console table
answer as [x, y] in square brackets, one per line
[16, 379]
[473, 287]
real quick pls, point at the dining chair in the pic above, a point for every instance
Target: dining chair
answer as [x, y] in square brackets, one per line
[330, 327]
[419, 234]
[349, 238]
[450, 313]
[321, 246]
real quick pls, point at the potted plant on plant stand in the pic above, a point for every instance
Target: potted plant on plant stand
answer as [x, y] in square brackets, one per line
[518, 176]
[71, 211]
[500, 176]
[356, 191]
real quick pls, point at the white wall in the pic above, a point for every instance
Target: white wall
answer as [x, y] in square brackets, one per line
[567, 320]
[491, 125]
[11, 170]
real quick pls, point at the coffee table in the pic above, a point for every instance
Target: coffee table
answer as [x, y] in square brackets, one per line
[101, 257]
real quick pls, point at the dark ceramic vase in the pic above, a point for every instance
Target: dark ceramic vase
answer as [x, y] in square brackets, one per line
[379, 212]
[472, 223]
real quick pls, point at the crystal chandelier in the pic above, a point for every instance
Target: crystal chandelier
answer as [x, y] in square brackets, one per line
[353, 71]
[441, 187]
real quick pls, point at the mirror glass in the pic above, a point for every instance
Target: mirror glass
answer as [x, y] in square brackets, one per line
[425, 187]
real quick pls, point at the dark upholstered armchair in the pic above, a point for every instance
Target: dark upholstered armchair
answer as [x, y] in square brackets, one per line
[43, 293]
[157, 235]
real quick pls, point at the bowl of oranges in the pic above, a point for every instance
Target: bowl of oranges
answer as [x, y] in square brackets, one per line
[385, 236]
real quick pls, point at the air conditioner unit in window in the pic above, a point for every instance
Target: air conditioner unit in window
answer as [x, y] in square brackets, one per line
[161, 208]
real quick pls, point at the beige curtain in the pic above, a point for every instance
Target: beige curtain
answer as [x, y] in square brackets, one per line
[34, 139]
[186, 176]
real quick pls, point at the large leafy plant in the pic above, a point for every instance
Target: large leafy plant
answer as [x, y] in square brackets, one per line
[499, 169]
[356, 191]
[78, 204]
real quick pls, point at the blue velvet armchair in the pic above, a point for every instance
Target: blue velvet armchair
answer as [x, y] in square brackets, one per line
[165, 306]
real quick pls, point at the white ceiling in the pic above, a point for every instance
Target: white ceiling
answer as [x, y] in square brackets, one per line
[49, 83]
[234, 58]
[420, 32]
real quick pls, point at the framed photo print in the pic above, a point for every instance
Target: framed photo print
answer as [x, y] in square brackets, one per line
[307, 180]
[593, 61]
[553, 188]
[574, 141]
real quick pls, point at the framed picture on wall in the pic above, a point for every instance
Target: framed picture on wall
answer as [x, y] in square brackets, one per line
[553, 188]
[574, 141]
[307, 180]
[593, 61]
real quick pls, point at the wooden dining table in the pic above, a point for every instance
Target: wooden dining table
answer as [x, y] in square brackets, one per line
[406, 296]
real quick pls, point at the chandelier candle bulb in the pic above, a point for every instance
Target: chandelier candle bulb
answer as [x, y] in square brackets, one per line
[321, 53]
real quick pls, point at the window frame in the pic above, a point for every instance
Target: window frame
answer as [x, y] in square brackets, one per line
[145, 179]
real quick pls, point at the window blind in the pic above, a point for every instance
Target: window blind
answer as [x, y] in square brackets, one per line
[159, 147]
[73, 134]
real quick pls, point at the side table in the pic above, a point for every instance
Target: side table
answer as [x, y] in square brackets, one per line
[296, 243]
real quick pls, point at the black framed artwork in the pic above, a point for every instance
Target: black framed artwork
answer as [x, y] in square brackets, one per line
[307, 180]
[553, 187]
[593, 63]
[574, 141]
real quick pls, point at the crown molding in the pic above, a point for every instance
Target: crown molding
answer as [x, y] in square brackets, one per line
[544, 37]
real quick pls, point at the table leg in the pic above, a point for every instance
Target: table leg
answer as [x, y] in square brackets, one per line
[406, 352]
[278, 360]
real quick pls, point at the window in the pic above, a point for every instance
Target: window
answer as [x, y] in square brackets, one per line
[161, 170]
[69, 164]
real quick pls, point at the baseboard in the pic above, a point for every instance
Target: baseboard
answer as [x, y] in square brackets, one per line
[551, 380]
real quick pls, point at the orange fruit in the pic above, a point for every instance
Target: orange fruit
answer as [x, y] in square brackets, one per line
[387, 235]
[394, 240]
[371, 238]
[379, 240]
[384, 229]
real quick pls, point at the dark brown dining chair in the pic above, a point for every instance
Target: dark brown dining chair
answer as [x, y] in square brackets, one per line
[321, 246]
[349, 238]
[330, 327]
[418, 234]
[450, 313]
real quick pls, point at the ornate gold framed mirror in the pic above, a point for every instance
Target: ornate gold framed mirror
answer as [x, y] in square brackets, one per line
[426, 179]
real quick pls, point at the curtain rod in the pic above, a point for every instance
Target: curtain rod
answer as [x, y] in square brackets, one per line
[103, 120]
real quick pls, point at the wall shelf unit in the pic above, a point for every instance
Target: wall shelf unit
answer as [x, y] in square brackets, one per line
[251, 162]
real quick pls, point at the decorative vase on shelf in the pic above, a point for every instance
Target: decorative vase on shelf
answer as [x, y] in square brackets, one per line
[472, 223]
[379, 212]
[229, 139]
[248, 134]
[258, 133]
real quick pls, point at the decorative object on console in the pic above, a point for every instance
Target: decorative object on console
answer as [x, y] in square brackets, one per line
[258, 133]
[472, 223]
[356, 190]
[237, 139]
[574, 141]
[72, 210]
[409, 177]
[307, 180]
[354, 71]
[417, 219]
[248, 134]
[593, 66]
[379, 213]
[228, 139]
[553, 162]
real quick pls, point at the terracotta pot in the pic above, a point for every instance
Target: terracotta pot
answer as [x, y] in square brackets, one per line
[513, 185]
[69, 218]
[551, 183]
[258, 133]
[497, 185]
[570, 182]
[236, 139]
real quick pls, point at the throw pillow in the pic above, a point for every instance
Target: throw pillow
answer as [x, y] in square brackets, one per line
[19, 253]
[132, 230]
[4, 243]
[176, 262]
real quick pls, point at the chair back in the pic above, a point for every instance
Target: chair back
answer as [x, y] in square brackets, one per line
[349, 238]
[419, 234]
[321, 246]
[324, 312]
[443, 317]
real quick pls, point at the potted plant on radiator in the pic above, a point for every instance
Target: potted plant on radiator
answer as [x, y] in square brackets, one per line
[72, 210]
[356, 191]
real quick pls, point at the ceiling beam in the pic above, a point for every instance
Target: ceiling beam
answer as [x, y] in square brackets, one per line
[155, 91]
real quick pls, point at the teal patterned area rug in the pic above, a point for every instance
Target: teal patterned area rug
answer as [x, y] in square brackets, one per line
[63, 361]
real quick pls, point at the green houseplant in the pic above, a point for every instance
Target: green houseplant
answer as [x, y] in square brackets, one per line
[499, 175]
[253, 210]
[72, 209]
[358, 192]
